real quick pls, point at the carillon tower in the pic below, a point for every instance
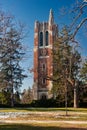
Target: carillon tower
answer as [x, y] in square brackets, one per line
[44, 36]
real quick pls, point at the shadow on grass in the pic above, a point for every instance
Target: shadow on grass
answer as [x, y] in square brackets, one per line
[41, 109]
[44, 109]
[29, 127]
[51, 109]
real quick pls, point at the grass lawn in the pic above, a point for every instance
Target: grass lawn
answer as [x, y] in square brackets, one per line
[79, 114]
[42, 109]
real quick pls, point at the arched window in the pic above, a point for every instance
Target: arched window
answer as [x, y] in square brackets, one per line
[43, 97]
[46, 38]
[41, 39]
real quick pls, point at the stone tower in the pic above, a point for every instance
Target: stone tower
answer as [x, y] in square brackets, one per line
[44, 36]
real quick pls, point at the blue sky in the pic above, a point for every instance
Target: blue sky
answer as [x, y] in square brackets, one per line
[28, 11]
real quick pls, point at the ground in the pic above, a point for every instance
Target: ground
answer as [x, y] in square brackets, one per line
[44, 118]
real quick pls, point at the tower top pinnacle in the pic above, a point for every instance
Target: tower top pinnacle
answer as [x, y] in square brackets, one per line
[51, 17]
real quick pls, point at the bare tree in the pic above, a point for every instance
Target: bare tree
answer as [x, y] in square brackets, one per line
[79, 19]
[27, 96]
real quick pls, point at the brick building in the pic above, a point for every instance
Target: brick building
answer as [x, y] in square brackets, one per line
[45, 34]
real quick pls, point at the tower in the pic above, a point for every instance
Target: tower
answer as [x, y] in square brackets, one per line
[44, 36]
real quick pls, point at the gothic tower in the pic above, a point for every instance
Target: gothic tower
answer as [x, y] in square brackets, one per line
[44, 36]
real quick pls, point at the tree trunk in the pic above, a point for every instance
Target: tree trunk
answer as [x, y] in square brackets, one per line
[12, 101]
[12, 98]
[75, 97]
[66, 99]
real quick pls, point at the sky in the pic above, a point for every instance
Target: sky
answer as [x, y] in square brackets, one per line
[28, 11]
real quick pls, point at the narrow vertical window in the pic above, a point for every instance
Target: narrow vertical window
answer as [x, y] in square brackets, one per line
[46, 38]
[41, 38]
[43, 81]
[43, 67]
